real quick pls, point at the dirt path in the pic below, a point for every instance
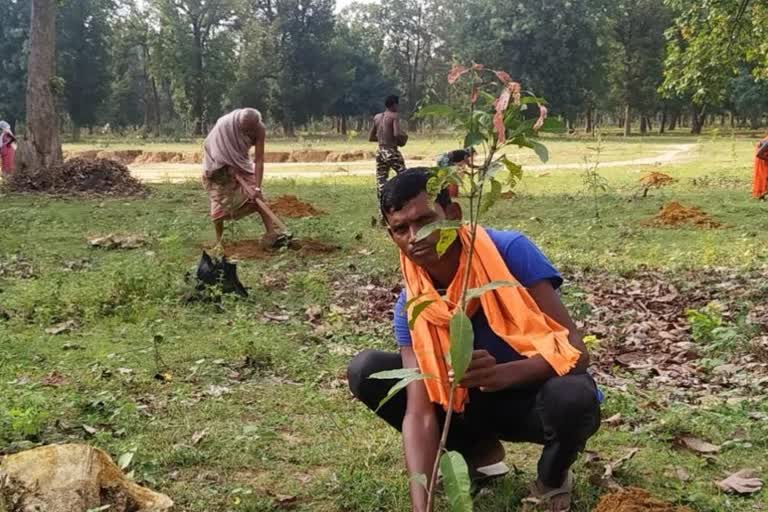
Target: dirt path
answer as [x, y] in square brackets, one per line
[169, 172]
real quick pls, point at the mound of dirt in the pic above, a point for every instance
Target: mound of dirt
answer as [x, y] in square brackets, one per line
[349, 156]
[257, 249]
[125, 157]
[633, 499]
[77, 177]
[674, 214]
[310, 155]
[655, 179]
[276, 157]
[292, 207]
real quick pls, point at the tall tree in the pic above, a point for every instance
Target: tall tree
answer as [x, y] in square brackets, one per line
[551, 47]
[84, 58]
[637, 59]
[42, 145]
[14, 38]
[197, 52]
[706, 48]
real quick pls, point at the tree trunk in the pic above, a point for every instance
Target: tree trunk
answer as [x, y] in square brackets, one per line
[589, 123]
[42, 145]
[75, 132]
[627, 121]
[663, 121]
[198, 100]
[698, 116]
[343, 124]
[673, 121]
[643, 125]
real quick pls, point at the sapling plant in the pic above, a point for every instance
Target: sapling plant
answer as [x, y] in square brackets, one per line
[498, 114]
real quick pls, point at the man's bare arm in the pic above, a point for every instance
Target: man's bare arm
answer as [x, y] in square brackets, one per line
[396, 126]
[258, 156]
[484, 373]
[421, 433]
[373, 135]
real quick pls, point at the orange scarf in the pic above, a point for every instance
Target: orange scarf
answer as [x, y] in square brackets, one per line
[511, 312]
[760, 176]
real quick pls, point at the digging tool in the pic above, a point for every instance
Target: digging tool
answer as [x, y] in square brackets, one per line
[285, 236]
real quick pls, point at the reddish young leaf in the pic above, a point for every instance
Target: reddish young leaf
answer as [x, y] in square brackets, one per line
[503, 76]
[502, 102]
[498, 125]
[515, 89]
[456, 73]
[475, 91]
[477, 67]
[542, 116]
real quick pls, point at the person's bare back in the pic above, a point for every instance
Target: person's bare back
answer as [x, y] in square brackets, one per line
[387, 126]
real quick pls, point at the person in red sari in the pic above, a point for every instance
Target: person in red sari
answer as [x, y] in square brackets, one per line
[7, 151]
[760, 179]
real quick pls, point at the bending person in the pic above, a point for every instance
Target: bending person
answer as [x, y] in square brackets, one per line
[232, 180]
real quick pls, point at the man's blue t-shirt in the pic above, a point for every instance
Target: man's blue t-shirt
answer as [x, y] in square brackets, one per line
[529, 266]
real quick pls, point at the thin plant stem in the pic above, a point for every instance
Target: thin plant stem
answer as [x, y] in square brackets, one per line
[474, 214]
[441, 447]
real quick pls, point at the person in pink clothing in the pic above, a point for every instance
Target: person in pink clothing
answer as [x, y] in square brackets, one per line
[231, 178]
[7, 150]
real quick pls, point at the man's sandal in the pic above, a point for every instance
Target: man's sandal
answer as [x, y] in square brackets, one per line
[483, 476]
[546, 500]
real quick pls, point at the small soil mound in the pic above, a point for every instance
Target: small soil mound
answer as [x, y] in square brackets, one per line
[258, 249]
[310, 155]
[276, 157]
[633, 499]
[655, 179]
[292, 207]
[674, 214]
[78, 177]
[349, 156]
[125, 157]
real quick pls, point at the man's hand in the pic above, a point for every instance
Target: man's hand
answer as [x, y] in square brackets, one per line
[483, 372]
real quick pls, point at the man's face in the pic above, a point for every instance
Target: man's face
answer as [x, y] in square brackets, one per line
[254, 131]
[395, 107]
[405, 224]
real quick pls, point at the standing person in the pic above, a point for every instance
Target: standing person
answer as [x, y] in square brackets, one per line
[527, 380]
[760, 178]
[459, 158]
[387, 132]
[7, 151]
[232, 180]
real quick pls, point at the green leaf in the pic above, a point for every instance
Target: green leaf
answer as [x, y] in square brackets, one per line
[125, 460]
[421, 479]
[417, 310]
[553, 126]
[400, 373]
[447, 237]
[456, 482]
[540, 149]
[434, 226]
[462, 344]
[473, 138]
[490, 197]
[515, 170]
[437, 110]
[408, 304]
[474, 293]
[400, 385]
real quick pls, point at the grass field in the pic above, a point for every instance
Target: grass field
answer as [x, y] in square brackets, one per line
[265, 381]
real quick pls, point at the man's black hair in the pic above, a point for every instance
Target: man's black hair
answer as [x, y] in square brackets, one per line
[391, 100]
[407, 185]
[459, 155]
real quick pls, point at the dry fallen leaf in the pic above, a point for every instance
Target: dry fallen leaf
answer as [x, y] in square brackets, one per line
[698, 445]
[613, 420]
[198, 436]
[54, 379]
[61, 328]
[285, 501]
[745, 481]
